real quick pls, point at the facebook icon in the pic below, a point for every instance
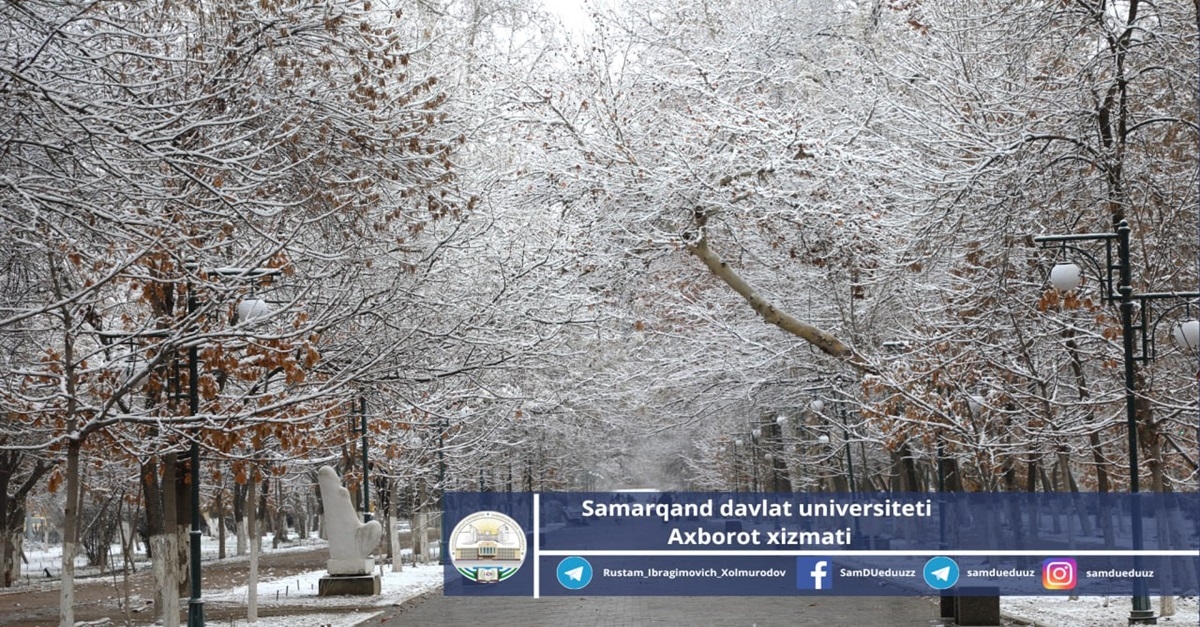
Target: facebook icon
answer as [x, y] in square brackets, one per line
[814, 573]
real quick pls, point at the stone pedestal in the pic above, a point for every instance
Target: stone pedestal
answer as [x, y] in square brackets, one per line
[359, 585]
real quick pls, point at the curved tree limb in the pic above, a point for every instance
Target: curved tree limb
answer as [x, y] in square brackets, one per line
[827, 342]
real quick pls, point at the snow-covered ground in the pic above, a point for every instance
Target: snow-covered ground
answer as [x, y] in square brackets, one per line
[48, 559]
[1091, 611]
[294, 591]
[45, 560]
[301, 591]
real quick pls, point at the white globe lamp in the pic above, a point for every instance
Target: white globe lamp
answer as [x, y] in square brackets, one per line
[252, 309]
[1187, 334]
[1065, 277]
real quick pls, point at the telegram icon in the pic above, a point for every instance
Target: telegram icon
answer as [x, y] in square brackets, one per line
[574, 573]
[941, 573]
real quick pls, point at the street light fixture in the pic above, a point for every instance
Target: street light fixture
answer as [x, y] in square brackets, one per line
[975, 404]
[817, 405]
[247, 310]
[849, 449]
[1066, 276]
[737, 464]
[443, 426]
[1187, 334]
[366, 500]
[755, 434]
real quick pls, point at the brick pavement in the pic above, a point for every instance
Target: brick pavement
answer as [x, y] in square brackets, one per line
[437, 610]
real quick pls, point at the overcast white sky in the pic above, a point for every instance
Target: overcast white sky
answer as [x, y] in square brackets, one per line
[572, 12]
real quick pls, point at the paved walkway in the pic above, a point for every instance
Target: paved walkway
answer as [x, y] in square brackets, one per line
[669, 612]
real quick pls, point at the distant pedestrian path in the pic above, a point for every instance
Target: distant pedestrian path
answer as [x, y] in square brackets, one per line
[669, 612]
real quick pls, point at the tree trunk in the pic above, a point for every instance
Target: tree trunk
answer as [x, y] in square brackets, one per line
[66, 611]
[66, 603]
[126, 531]
[262, 517]
[281, 535]
[152, 497]
[302, 517]
[14, 546]
[1084, 396]
[252, 525]
[1153, 446]
[220, 526]
[183, 524]
[908, 470]
[394, 528]
[7, 554]
[239, 516]
[166, 551]
[243, 536]
[419, 535]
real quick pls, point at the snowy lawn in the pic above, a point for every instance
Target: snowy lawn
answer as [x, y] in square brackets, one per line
[43, 560]
[298, 591]
[301, 590]
[48, 559]
[1090, 611]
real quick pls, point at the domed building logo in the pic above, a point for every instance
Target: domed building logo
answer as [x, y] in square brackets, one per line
[487, 547]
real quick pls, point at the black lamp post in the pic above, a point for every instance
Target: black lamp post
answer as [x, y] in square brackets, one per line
[1065, 277]
[196, 602]
[941, 487]
[737, 465]
[246, 310]
[754, 435]
[362, 414]
[782, 459]
[442, 486]
[846, 442]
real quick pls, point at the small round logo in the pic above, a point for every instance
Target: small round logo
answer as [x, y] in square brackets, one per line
[574, 573]
[941, 573]
[487, 547]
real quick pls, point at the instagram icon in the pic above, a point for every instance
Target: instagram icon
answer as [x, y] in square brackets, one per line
[1059, 573]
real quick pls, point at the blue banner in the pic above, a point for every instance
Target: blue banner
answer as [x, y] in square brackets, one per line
[631, 544]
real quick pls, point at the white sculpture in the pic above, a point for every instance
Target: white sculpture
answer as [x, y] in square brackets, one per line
[350, 541]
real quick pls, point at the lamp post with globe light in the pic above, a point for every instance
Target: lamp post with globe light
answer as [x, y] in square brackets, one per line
[794, 449]
[1066, 276]
[755, 434]
[366, 495]
[737, 465]
[247, 311]
[781, 458]
[443, 426]
[818, 406]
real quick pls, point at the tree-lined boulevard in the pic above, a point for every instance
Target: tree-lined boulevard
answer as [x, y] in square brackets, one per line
[458, 245]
